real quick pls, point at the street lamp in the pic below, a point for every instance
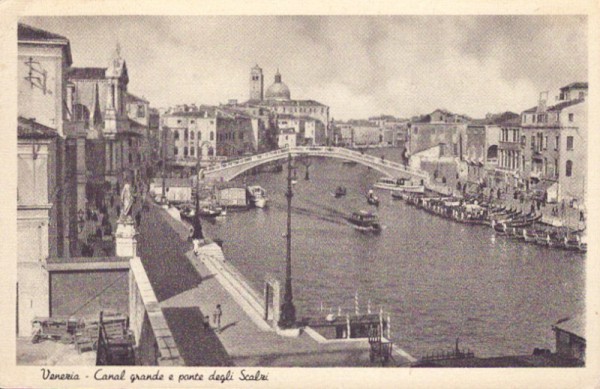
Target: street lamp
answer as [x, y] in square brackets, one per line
[288, 311]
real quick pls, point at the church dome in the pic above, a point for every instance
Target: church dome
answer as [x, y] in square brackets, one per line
[278, 90]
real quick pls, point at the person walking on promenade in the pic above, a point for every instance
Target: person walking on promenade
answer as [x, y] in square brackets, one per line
[217, 318]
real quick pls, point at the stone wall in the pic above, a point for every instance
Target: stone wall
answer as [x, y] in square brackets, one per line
[154, 341]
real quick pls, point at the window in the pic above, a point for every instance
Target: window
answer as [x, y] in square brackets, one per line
[571, 117]
[192, 121]
[185, 151]
[569, 168]
[130, 158]
[175, 150]
[523, 140]
[532, 142]
[212, 135]
[569, 143]
[130, 142]
[179, 121]
[557, 144]
[212, 122]
[192, 151]
[241, 136]
[191, 135]
[556, 167]
[176, 135]
[185, 134]
[199, 135]
[141, 111]
[546, 142]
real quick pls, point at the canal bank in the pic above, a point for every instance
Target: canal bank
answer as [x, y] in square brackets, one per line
[245, 337]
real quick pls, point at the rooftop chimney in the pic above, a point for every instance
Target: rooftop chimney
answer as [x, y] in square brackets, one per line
[542, 101]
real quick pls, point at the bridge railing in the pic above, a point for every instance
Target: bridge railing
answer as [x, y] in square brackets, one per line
[319, 149]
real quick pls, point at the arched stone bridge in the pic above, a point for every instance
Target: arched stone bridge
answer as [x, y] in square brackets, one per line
[227, 171]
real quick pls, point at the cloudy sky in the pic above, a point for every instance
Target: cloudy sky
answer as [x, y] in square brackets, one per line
[360, 66]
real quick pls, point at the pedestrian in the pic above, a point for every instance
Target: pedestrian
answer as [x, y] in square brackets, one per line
[138, 218]
[217, 318]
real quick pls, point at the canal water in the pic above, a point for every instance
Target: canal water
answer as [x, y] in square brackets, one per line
[439, 280]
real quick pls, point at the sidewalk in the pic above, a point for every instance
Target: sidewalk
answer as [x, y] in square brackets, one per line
[246, 343]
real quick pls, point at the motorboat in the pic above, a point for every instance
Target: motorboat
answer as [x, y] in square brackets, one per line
[187, 211]
[397, 195]
[257, 196]
[398, 184]
[209, 211]
[372, 199]
[340, 191]
[365, 220]
[575, 242]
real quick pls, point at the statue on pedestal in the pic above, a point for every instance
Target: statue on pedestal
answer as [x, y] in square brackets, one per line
[126, 204]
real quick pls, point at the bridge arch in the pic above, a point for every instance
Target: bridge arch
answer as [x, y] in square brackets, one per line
[229, 170]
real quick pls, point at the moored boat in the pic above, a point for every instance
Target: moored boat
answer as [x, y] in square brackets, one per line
[209, 211]
[397, 195]
[257, 196]
[187, 211]
[530, 234]
[372, 199]
[364, 220]
[398, 184]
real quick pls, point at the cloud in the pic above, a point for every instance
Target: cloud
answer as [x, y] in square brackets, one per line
[359, 65]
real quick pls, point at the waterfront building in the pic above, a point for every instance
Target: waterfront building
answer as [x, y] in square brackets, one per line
[46, 185]
[189, 134]
[310, 131]
[570, 339]
[287, 138]
[436, 144]
[395, 133]
[489, 144]
[440, 126]
[554, 143]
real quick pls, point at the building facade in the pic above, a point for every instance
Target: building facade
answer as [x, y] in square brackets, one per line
[554, 141]
[46, 221]
[189, 134]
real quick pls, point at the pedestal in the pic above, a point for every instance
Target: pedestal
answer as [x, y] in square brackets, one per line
[126, 240]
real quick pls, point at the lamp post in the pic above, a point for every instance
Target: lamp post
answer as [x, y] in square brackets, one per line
[288, 311]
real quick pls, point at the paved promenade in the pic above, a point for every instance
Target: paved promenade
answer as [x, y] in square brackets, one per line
[189, 288]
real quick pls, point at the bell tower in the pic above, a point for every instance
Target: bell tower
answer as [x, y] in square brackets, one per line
[256, 83]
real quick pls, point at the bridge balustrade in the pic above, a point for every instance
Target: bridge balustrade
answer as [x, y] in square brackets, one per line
[319, 149]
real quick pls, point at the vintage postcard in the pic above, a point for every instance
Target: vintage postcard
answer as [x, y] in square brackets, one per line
[206, 196]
